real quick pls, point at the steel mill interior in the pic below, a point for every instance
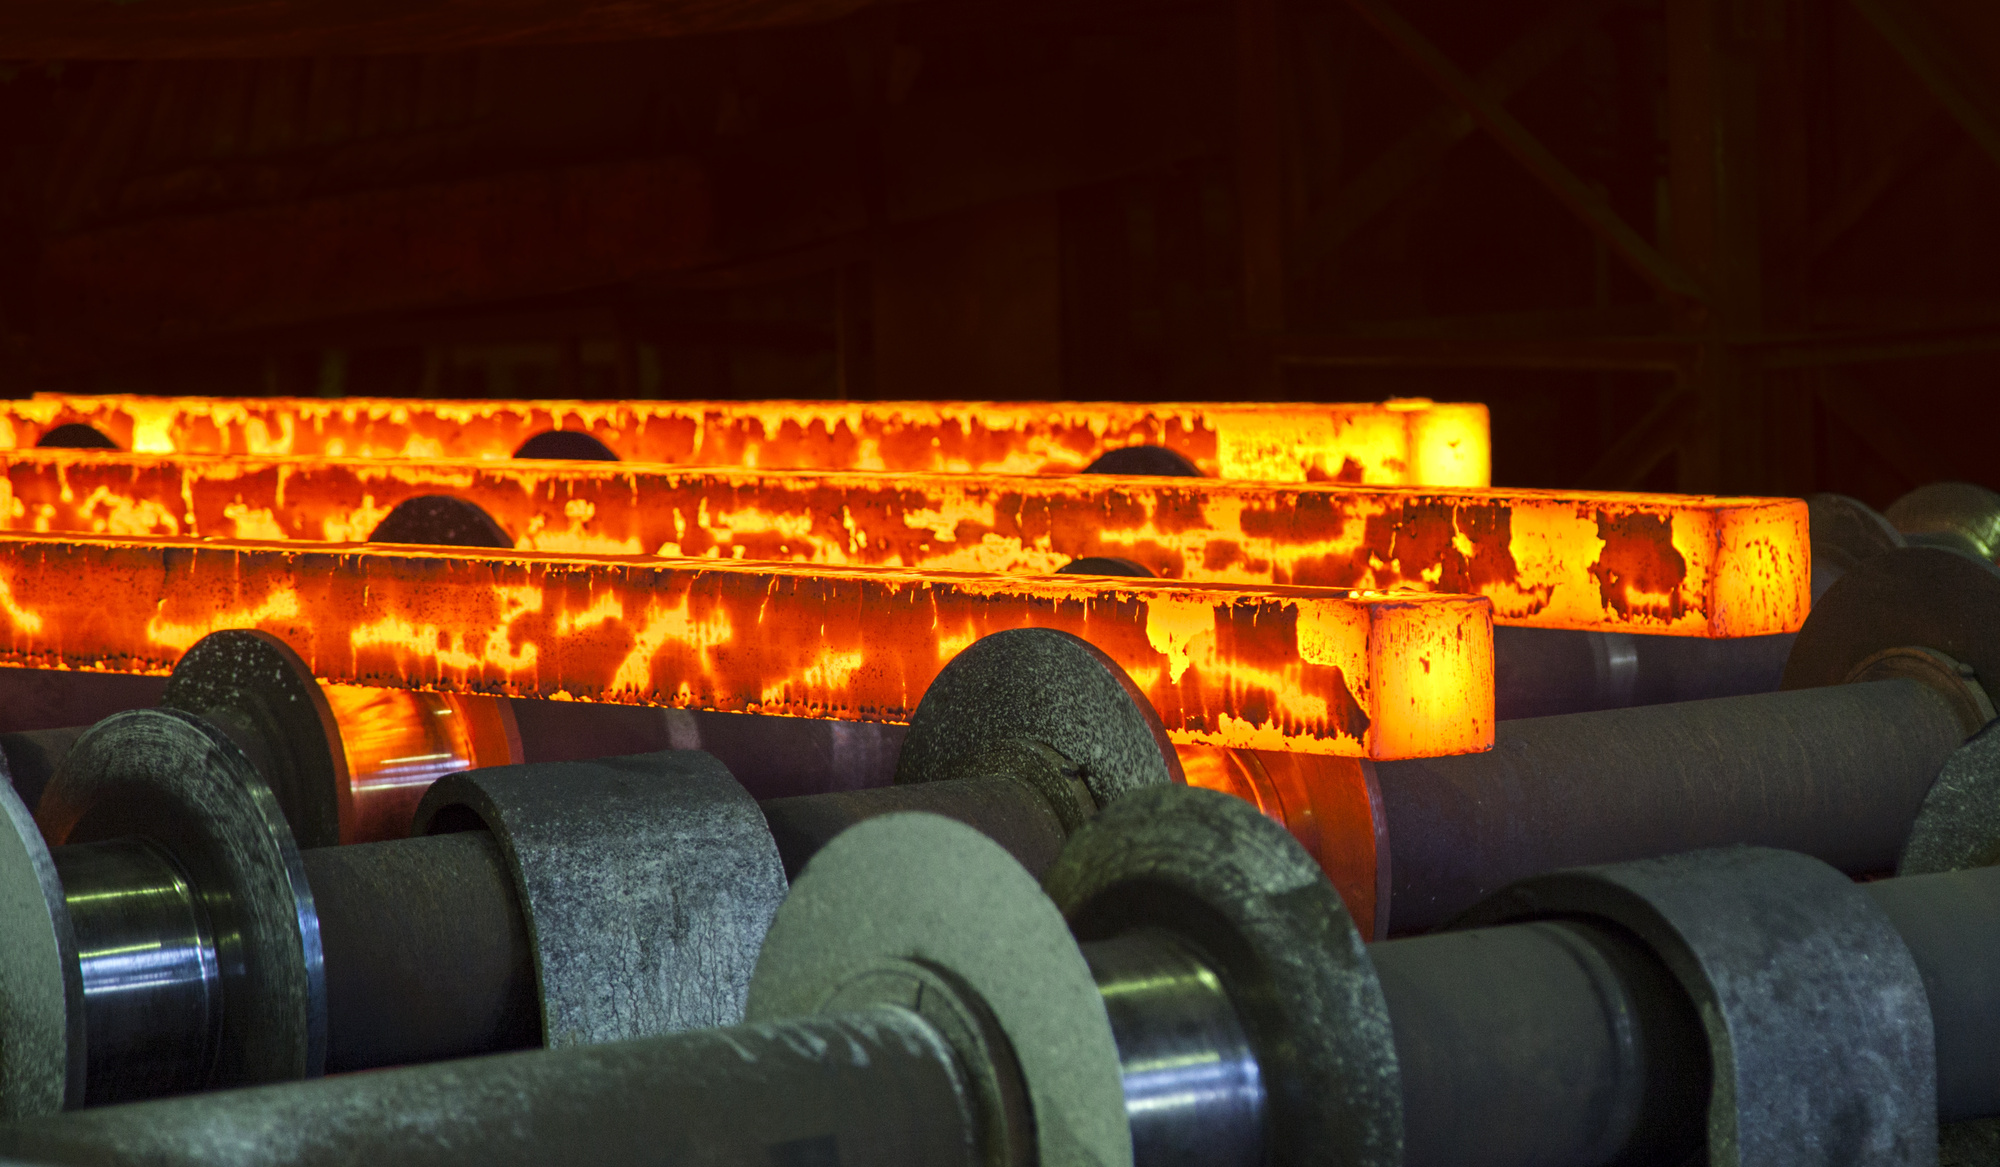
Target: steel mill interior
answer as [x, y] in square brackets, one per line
[1000, 583]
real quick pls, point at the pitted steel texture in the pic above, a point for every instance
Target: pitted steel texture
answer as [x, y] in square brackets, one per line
[918, 890]
[1210, 868]
[1820, 1032]
[41, 993]
[1044, 705]
[648, 883]
[253, 687]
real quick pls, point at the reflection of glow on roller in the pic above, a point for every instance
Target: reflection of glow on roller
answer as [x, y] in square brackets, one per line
[1325, 802]
[1304, 669]
[399, 741]
[1395, 443]
[1687, 565]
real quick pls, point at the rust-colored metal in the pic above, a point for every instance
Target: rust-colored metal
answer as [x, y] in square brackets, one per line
[399, 741]
[1302, 669]
[1677, 564]
[1394, 443]
[1327, 803]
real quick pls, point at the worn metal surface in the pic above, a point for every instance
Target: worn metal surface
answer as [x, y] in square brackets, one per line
[1540, 1043]
[1542, 672]
[1211, 869]
[150, 966]
[440, 520]
[1005, 810]
[1951, 923]
[169, 777]
[1959, 516]
[251, 685]
[1847, 532]
[427, 951]
[1953, 679]
[1195, 1093]
[1838, 773]
[32, 757]
[647, 882]
[1918, 597]
[1819, 1031]
[41, 993]
[1043, 688]
[922, 889]
[866, 1088]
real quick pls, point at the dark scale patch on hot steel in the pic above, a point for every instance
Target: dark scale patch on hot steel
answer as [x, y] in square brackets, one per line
[1240, 629]
[1639, 556]
[1423, 534]
[1350, 472]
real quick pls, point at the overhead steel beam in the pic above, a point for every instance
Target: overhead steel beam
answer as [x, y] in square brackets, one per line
[1929, 53]
[1581, 354]
[1424, 146]
[185, 29]
[1582, 200]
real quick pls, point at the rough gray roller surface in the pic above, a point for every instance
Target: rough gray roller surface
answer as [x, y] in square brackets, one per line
[873, 1089]
[1211, 868]
[648, 884]
[255, 688]
[1819, 1029]
[922, 889]
[1847, 532]
[1044, 686]
[1837, 773]
[1964, 515]
[1958, 825]
[41, 993]
[1916, 597]
[169, 776]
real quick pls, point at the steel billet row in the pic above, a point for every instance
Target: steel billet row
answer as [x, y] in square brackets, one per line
[1190, 990]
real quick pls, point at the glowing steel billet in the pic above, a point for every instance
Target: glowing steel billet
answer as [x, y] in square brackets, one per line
[1395, 443]
[1311, 670]
[1686, 565]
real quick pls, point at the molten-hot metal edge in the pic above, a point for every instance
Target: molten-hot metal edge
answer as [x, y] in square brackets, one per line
[1305, 669]
[1674, 564]
[1394, 443]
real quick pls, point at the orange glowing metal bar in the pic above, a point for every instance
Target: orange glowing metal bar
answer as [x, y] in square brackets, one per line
[1311, 670]
[1395, 443]
[1684, 565]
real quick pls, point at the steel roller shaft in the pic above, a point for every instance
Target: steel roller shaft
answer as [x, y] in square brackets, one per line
[880, 1085]
[192, 945]
[1565, 1024]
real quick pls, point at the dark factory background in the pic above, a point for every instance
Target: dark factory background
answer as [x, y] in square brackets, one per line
[1699, 245]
